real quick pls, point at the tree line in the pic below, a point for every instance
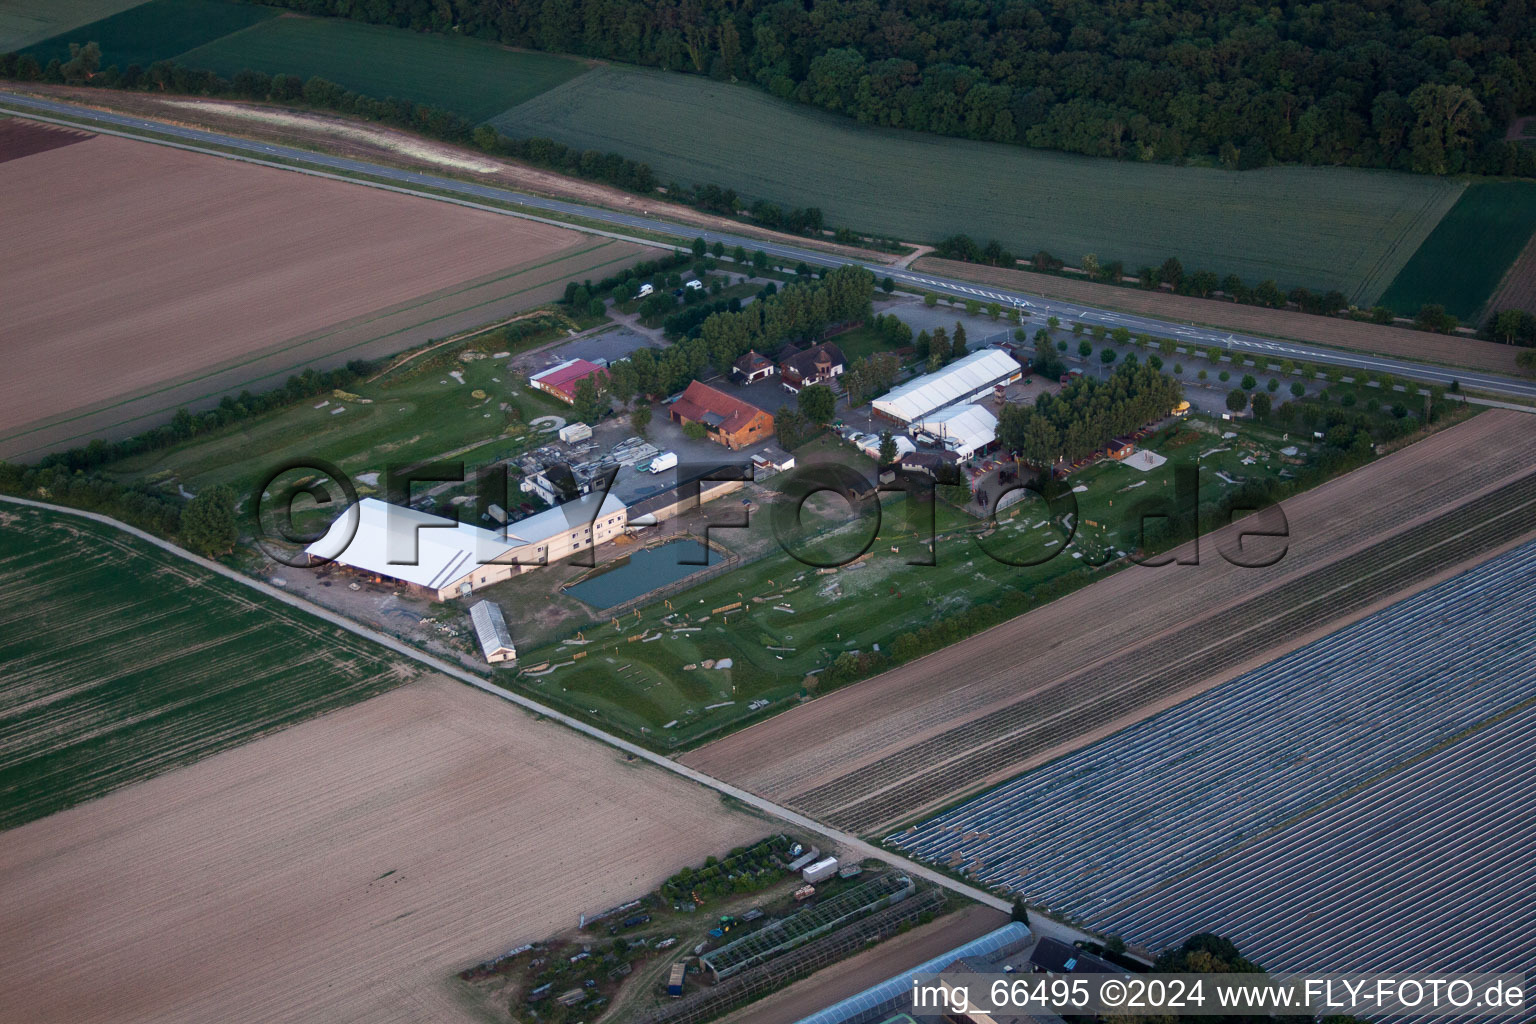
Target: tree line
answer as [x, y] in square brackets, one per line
[800, 310]
[1420, 87]
[1086, 414]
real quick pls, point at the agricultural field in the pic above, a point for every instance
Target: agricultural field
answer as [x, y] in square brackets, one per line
[144, 33]
[178, 277]
[1318, 227]
[24, 22]
[123, 662]
[1422, 711]
[1518, 289]
[882, 751]
[1449, 837]
[1463, 260]
[782, 616]
[345, 869]
[473, 78]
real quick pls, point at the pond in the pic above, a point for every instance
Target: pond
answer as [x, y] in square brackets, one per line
[644, 571]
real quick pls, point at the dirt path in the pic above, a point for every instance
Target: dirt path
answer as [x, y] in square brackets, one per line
[832, 740]
[367, 141]
[1399, 342]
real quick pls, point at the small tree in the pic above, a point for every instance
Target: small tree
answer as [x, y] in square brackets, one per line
[930, 299]
[717, 250]
[699, 246]
[1261, 406]
[887, 448]
[640, 419]
[739, 254]
[1020, 912]
[1272, 386]
[208, 524]
[1084, 349]
[759, 260]
[888, 285]
[1201, 374]
[957, 343]
[1107, 356]
[1248, 383]
[1053, 322]
[1224, 376]
[695, 431]
[589, 404]
[1237, 400]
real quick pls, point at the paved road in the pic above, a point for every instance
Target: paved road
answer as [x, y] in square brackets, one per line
[542, 208]
[845, 842]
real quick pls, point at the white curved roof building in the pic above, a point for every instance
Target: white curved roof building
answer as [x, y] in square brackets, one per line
[964, 380]
[963, 429]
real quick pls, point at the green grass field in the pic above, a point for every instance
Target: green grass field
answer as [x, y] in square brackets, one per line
[1313, 226]
[155, 31]
[476, 79]
[1462, 261]
[402, 418]
[123, 661]
[24, 22]
[640, 686]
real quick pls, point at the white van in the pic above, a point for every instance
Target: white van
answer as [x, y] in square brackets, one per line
[695, 285]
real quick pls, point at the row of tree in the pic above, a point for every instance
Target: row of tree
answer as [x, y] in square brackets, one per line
[802, 310]
[1426, 87]
[1086, 414]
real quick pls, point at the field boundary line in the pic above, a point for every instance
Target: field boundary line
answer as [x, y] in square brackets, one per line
[844, 839]
[93, 126]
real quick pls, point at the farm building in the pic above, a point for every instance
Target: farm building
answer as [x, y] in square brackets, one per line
[869, 444]
[964, 380]
[561, 379]
[962, 429]
[1120, 448]
[930, 462]
[725, 418]
[753, 366]
[492, 632]
[673, 502]
[444, 559]
[819, 364]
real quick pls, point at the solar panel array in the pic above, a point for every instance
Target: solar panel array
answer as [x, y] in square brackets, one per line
[1099, 833]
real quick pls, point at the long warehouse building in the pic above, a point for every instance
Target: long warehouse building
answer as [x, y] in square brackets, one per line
[964, 380]
[444, 559]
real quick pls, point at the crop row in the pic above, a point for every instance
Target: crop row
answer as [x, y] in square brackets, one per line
[1118, 819]
[964, 755]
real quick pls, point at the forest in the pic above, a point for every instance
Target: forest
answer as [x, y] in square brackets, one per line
[1427, 87]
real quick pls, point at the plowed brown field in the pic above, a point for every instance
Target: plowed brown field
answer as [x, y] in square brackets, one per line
[341, 870]
[1400, 342]
[1103, 657]
[1518, 289]
[151, 278]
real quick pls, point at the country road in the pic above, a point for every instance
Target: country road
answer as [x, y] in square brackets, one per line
[845, 842]
[552, 210]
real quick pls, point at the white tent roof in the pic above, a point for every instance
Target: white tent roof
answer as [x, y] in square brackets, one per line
[431, 551]
[869, 444]
[962, 428]
[958, 381]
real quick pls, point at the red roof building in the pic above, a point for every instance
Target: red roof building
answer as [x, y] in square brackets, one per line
[726, 419]
[561, 379]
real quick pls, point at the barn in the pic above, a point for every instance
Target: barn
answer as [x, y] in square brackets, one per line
[964, 380]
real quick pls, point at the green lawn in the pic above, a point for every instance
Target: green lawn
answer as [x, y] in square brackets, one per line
[1462, 261]
[640, 686]
[24, 22]
[403, 418]
[474, 78]
[155, 31]
[1313, 226]
[123, 661]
